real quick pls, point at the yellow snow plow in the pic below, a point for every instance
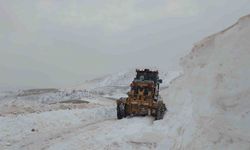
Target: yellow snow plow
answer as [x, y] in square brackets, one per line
[143, 98]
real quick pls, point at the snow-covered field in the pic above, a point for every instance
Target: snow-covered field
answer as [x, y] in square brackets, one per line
[208, 105]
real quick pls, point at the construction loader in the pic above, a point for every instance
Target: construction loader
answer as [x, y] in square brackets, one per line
[143, 98]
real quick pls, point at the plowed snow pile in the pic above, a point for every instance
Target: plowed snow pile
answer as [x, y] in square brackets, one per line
[216, 90]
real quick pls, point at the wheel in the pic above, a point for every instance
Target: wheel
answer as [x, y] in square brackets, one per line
[159, 115]
[121, 110]
[160, 111]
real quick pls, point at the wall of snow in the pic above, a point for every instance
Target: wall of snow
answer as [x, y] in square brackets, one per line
[215, 92]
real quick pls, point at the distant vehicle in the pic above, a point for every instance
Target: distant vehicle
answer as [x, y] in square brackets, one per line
[143, 98]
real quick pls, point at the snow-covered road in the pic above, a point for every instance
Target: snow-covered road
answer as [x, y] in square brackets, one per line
[93, 125]
[91, 128]
[16, 131]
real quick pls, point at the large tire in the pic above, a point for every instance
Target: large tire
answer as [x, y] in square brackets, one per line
[160, 111]
[159, 115]
[121, 110]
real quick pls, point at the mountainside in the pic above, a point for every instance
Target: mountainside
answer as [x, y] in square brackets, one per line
[117, 85]
[216, 87]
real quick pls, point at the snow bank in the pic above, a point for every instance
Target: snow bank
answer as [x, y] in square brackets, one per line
[216, 85]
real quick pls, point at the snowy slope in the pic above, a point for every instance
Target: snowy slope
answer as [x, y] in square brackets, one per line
[116, 85]
[122, 79]
[216, 88]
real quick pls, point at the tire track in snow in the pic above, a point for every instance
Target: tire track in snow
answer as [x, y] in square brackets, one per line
[44, 140]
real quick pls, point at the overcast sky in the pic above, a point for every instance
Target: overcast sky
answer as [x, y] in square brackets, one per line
[53, 43]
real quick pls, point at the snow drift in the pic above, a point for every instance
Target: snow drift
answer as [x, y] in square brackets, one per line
[216, 87]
